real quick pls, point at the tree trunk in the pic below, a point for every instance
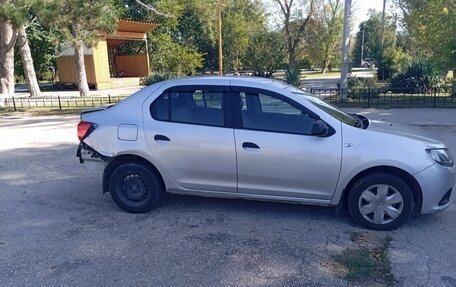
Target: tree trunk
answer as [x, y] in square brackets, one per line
[7, 40]
[27, 62]
[292, 58]
[80, 69]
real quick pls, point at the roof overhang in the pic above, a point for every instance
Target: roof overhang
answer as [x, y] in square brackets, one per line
[129, 30]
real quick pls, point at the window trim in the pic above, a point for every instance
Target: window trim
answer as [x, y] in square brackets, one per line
[231, 106]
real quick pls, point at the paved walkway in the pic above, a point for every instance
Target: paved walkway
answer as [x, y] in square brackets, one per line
[21, 92]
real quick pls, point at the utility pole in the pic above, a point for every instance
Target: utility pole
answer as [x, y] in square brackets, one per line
[382, 40]
[345, 51]
[362, 44]
[220, 50]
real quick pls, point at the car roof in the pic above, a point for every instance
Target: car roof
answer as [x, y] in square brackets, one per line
[233, 80]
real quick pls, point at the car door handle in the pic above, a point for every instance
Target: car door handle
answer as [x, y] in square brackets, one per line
[250, 145]
[161, 138]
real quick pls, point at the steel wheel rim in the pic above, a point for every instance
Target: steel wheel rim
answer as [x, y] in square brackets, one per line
[134, 189]
[380, 204]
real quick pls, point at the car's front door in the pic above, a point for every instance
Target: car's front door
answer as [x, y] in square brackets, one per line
[186, 130]
[276, 153]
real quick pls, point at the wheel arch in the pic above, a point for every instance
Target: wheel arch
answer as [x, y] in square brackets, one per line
[127, 158]
[407, 177]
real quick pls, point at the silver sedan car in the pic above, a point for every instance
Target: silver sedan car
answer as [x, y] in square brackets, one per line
[256, 138]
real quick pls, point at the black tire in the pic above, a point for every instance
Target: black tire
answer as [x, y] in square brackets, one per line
[395, 184]
[135, 188]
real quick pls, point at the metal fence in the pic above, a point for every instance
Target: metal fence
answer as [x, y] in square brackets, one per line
[380, 98]
[389, 98]
[60, 102]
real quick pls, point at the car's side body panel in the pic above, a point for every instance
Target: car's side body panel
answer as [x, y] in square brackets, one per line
[366, 148]
[288, 165]
[210, 161]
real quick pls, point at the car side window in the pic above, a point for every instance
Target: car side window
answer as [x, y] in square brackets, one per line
[269, 113]
[202, 107]
[273, 105]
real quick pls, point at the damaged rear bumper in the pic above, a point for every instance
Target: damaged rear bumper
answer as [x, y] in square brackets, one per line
[91, 158]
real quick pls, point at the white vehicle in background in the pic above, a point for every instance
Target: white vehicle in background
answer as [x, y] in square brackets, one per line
[368, 63]
[260, 139]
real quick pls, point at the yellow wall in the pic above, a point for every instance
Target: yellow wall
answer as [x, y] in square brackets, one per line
[97, 67]
[101, 64]
[133, 66]
[66, 68]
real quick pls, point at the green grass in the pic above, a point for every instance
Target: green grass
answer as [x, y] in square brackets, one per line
[366, 262]
[358, 264]
[320, 75]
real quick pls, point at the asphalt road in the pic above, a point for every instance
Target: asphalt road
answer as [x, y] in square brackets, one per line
[57, 229]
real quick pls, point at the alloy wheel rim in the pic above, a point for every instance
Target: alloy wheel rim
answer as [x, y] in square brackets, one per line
[380, 204]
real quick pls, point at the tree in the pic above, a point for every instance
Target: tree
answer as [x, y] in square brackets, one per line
[331, 36]
[322, 42]
[241, 20]
[44, 42]
[18, 13]
[394, 56]
[265, 53]
[372, 37]
[431, 25]
[192, 26]
[82, 23]
[7, 39]
[296, 15]
[169, 56]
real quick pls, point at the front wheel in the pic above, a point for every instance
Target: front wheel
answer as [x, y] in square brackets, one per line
[135, 188]
[380, 201]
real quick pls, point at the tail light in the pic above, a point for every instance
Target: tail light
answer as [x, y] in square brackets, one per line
[85, 129]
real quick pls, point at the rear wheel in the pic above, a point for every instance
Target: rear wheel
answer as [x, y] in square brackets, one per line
[380, 201]
[135, 188]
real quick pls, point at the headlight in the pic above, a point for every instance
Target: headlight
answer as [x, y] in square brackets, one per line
[441, 156]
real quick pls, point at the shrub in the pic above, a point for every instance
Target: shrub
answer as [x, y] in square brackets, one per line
[420, 75]
[158, 77]
[362, 83]
[293, 76]
[363, 87]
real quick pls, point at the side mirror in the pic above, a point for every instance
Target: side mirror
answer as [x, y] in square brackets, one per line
[320, 129]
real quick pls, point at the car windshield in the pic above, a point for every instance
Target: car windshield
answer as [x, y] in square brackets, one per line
[330, 109]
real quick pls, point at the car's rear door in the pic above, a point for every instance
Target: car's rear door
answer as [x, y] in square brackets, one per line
[185, 128]
[276, 154]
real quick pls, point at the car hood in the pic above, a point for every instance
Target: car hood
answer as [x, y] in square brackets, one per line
[403, 131]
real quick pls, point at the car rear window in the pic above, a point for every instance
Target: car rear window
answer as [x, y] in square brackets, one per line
[201, 107]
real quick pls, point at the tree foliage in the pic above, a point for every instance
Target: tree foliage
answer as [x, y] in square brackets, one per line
[395, 54]
[324, 35]
[191, 28]
[81, 23]
[296, 16]
[265, 53]
[170, 56]
[44, 44]
[20, 13]
[420, 75]
[241, 20]
[372, 37]
[431, 24]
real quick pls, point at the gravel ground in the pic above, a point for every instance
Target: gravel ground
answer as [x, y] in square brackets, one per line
[57, 229]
